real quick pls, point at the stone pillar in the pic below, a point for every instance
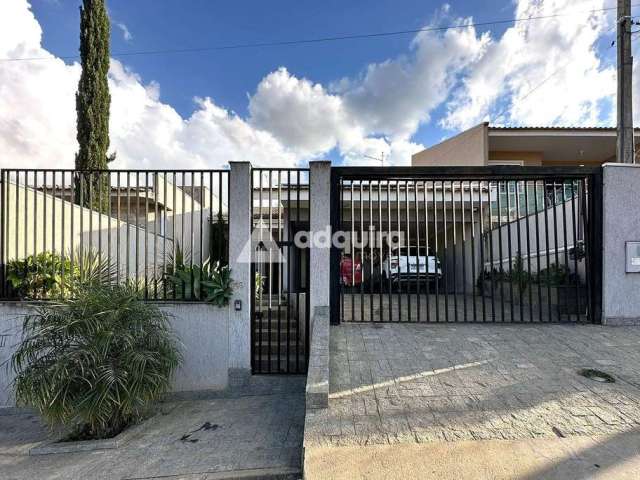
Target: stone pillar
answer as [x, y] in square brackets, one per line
[320, 229]
[621, 223]
[240, 198]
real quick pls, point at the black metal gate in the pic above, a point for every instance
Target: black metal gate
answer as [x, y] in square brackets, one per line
[280, 291]
[467, 244]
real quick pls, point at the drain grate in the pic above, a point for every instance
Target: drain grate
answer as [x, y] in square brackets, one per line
[596, 375]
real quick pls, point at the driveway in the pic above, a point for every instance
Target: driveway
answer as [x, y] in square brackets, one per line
[420, 384]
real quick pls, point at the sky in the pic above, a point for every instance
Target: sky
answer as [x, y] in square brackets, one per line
[284, 105]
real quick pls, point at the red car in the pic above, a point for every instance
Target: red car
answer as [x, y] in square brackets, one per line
[351, 274]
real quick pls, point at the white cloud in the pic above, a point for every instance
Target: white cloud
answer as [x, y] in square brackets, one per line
[396, 96]
[37, 114]
[126, 34]
[299, 113]
[547, 71]
[147, 133]
[293, 119]
[371, 114]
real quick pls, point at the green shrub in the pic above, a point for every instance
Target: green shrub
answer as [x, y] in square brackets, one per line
[207, 282]
[49, 275]
[555, 275]
[519, 274]
[95, 362]
[38, 276]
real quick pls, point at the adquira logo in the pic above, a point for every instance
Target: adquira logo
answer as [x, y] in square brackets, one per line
[264, 248]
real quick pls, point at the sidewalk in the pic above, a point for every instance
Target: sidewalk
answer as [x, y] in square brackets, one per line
[614, 457]
[254, 431]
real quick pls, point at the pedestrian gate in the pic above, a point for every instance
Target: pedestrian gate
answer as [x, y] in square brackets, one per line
[280, 291]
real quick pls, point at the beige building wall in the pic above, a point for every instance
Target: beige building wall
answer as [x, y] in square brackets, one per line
[38, 222]
[528, 159]
[469, 148]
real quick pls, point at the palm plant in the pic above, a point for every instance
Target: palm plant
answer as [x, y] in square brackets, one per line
[94, 362]
[91, 268]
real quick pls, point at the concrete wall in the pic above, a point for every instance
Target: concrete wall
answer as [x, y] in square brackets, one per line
[469, 148]
[320, 221]
[11, 318]
[540, 253]
[202, 329]
[204, 332]
[240, 263]
[621, 223]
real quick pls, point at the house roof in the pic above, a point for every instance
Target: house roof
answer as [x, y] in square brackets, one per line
[557, 130]
[558, 144]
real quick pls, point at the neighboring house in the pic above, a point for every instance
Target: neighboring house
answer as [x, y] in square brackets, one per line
[486, 144]
[145, 225]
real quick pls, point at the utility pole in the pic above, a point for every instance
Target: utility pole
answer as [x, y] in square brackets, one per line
[625, 145]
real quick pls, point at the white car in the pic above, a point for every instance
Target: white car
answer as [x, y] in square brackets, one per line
[412, 267]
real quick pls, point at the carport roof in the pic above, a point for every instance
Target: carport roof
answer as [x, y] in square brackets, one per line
[557, 144]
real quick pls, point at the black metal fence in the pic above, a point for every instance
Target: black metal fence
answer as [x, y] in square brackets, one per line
[163, 230]
[491, 244]
[280, 310]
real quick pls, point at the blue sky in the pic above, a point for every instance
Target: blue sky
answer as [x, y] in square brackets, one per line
[341, 100]
[228, 76]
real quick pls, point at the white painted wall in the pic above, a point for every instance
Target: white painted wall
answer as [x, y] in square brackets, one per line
[202, 329]
[621, 223]
[540, 253]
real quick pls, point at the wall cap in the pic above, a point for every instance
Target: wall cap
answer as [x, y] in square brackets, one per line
[618, 164]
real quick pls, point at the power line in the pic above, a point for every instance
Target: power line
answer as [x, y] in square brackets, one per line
[549, 77]
[321, 39]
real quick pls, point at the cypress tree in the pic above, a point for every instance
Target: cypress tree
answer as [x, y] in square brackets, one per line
[92, 105]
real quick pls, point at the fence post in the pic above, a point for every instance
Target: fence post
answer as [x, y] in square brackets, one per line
[320, 231]
[240, 198]
[620, 224]
[3, 220]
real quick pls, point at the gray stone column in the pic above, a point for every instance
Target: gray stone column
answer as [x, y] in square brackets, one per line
[240, 198]
[320, 228]
[621, 223]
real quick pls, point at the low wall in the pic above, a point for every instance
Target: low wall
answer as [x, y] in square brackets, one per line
[317, 390]
[621, 223]
[203, 331]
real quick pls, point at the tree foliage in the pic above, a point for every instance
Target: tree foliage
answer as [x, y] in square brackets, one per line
[93, 102]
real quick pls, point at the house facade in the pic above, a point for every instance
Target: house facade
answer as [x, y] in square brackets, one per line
[485, 145]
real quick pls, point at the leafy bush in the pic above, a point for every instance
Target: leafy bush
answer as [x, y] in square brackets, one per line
[38, 276]
[555, 275]
[519, 274]
[207, 282]
[49, 275]
[94, 363]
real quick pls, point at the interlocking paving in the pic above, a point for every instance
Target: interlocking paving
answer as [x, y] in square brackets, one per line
[419, 383]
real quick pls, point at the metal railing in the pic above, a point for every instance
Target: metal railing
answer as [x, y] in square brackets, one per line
[145, 226]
